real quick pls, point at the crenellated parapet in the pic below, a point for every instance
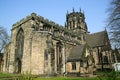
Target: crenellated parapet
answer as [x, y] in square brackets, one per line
[34, 16]
[57, 31]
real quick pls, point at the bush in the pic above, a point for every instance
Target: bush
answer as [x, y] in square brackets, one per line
[110, 76]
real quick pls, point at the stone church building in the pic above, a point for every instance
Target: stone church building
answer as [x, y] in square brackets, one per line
[42, 47]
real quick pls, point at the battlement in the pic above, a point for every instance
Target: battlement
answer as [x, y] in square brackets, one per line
[77, 14]
[37, 17]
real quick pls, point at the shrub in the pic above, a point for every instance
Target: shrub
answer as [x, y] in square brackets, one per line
[110, 76]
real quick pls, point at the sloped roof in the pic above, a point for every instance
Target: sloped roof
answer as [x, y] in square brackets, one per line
[96, 39]
[76, 53]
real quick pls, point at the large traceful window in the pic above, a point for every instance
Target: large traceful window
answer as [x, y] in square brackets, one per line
[19, 51]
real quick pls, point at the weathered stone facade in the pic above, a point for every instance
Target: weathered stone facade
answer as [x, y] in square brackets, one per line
[42, 47]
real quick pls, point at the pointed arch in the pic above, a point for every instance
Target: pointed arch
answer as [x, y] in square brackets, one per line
[19, 50]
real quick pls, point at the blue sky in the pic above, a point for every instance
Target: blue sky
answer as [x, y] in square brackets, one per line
[11, 11]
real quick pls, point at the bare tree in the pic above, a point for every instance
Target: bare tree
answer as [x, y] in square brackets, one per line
[4, 38]
[114, 22]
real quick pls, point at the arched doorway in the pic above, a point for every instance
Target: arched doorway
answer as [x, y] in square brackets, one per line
[19, 51]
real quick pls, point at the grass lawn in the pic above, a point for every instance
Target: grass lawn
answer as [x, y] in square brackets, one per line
[29, 77]
[51, 78]
[63, 78]
[78, 78]
[6, 74]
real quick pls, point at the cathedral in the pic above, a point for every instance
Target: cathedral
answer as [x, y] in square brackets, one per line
[42, 47]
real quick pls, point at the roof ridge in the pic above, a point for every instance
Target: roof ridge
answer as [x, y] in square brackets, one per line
[98, 32]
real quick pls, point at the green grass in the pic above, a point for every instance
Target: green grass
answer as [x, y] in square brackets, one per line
[110, 76]
[6, 74]
[63, 78]
[79, 78]
[25, 77]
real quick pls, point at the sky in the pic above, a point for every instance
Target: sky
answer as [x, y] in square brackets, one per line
[12, 11]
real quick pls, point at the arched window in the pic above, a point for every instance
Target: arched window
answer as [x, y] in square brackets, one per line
[19, 44]
[19, 50]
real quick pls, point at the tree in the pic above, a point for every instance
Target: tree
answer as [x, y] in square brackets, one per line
[114, 22]
[4, 38]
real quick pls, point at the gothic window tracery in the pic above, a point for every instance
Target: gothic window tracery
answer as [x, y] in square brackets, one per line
[19, 44]
[19, 50]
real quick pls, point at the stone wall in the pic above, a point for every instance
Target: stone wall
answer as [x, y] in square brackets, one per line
[27, 30]
[37, 53]
[6, 59]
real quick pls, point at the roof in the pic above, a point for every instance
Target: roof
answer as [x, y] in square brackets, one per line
[96, 39]
[76, 53]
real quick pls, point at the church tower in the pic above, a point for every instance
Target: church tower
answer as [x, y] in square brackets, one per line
[75, 21]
